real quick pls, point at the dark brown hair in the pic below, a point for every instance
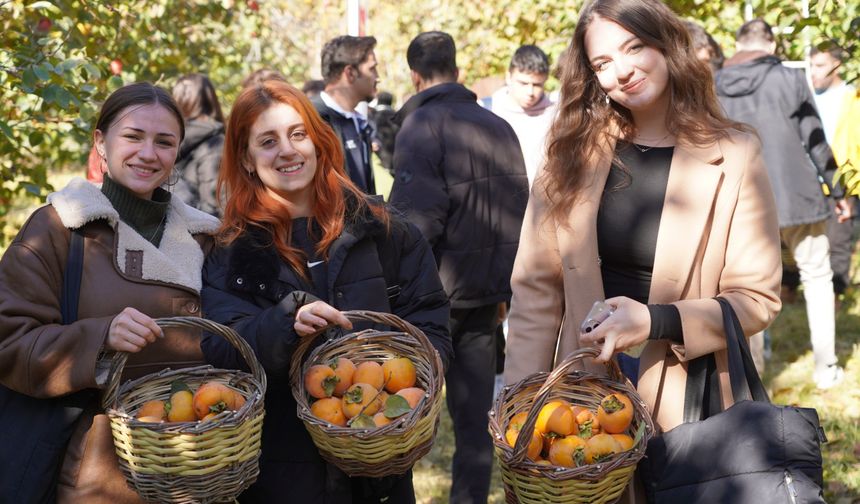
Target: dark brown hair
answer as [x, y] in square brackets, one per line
[587, 122]
[196, 97]
[344, 51]
[140, 94]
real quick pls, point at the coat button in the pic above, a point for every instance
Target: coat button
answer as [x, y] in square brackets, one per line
[240, 280]
[192, 307]
[262, 286]
[340, 294]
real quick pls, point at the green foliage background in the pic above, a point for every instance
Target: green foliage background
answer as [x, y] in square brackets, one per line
[53, 78]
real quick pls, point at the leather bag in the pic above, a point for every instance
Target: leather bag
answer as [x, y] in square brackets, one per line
[754, 451]
[34, 432]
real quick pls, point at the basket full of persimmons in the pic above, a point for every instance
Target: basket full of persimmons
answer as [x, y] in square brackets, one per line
[192, 434]
[569, 435]
[370, 400]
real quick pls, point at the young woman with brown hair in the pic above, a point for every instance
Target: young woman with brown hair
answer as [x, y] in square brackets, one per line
[650, 198]
[298, 244]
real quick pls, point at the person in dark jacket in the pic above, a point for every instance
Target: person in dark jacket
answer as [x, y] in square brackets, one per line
[348, 66]
[460, 176]
[200, 152]
[299, 243]
[755, 88]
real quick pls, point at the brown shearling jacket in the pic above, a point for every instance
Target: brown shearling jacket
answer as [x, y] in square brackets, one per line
[43, 358]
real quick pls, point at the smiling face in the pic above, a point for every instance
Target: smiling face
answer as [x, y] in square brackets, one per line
[140, 147]
[633, 74]
[284, 157]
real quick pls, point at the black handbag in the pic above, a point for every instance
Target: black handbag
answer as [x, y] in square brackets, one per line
[34, 433]
[753, 452]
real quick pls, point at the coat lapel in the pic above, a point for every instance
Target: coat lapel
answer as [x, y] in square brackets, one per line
[694, 178]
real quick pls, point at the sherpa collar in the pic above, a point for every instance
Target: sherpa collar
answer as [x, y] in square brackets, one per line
[177, 260]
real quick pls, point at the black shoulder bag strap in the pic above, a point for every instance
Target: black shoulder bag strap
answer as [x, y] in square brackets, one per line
[702, 394]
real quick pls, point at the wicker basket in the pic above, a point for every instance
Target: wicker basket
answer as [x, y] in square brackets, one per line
[528, 482]
[181, 462]
[393, 448]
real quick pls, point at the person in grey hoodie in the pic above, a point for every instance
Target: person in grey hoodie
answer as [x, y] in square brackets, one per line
[200, 152]
[525, 106]
[754, 87]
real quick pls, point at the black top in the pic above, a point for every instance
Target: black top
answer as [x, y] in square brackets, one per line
[306, 240]
[627, 224]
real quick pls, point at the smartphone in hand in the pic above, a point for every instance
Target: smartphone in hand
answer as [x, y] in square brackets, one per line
[599, 312]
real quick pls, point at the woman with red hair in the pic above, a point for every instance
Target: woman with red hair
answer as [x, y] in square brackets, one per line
[299, 242]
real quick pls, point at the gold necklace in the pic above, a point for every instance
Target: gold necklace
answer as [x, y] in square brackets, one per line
[649, 147]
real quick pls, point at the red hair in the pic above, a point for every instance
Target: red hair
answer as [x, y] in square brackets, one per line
[247, 201]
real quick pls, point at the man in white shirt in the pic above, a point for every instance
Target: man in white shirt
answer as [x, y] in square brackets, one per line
[525, 106]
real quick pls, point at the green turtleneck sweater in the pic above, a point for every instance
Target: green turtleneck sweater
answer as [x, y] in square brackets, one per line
[147, 217]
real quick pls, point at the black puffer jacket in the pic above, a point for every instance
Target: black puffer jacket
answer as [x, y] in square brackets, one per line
[755, 88]
[460, 177]
[198, 164]
[248, 287]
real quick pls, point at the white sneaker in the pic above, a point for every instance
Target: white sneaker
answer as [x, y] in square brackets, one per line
[828, 377]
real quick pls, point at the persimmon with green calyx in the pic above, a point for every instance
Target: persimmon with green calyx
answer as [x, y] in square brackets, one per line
[213, 397]
[615, 413]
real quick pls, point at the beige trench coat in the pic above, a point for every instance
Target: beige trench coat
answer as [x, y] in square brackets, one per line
[718, 235]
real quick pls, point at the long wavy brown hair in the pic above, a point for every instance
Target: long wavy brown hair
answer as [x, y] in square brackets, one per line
[247, 201]
[587, 123]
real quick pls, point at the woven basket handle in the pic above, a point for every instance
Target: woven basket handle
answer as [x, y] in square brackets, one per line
[388, 319]
[542, 395]
[111, 395]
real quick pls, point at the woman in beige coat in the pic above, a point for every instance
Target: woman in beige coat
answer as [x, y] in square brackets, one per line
[650, 198]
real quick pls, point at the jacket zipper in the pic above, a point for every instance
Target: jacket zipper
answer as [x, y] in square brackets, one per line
[789, 485]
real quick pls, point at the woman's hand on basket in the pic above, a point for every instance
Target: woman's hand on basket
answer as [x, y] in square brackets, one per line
[628, 326]
[132, 330]
[312, 317]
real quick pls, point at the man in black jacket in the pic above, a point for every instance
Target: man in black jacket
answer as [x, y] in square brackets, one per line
[350, 75]
[754, 87]
[460, 177]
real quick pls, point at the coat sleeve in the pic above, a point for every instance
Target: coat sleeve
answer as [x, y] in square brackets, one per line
[39, 356]
[752, 271]
[811, 133]
[207, 176]
[537, 305]
[268, 331]
[422, 300]
[420, 189]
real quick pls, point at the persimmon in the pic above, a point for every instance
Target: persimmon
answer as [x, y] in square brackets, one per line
[329, 409]
[556, 416]
[211, 397]
[320, 381]
[383, 396]
[624, 440]
[357, 397]
[615, 413]
[344, 369]
[600, 447]
[154, 409]
[182, 407]
[369, 372]
[238, 401]
[518, 420]
[568, 451]
[380, 419]
[398, 374]
[151, 419]
[535, 443]
[587, 423]
[412, 395]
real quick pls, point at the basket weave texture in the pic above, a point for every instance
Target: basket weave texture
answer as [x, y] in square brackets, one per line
[530, 483]
[392, 448]
[185, 462]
